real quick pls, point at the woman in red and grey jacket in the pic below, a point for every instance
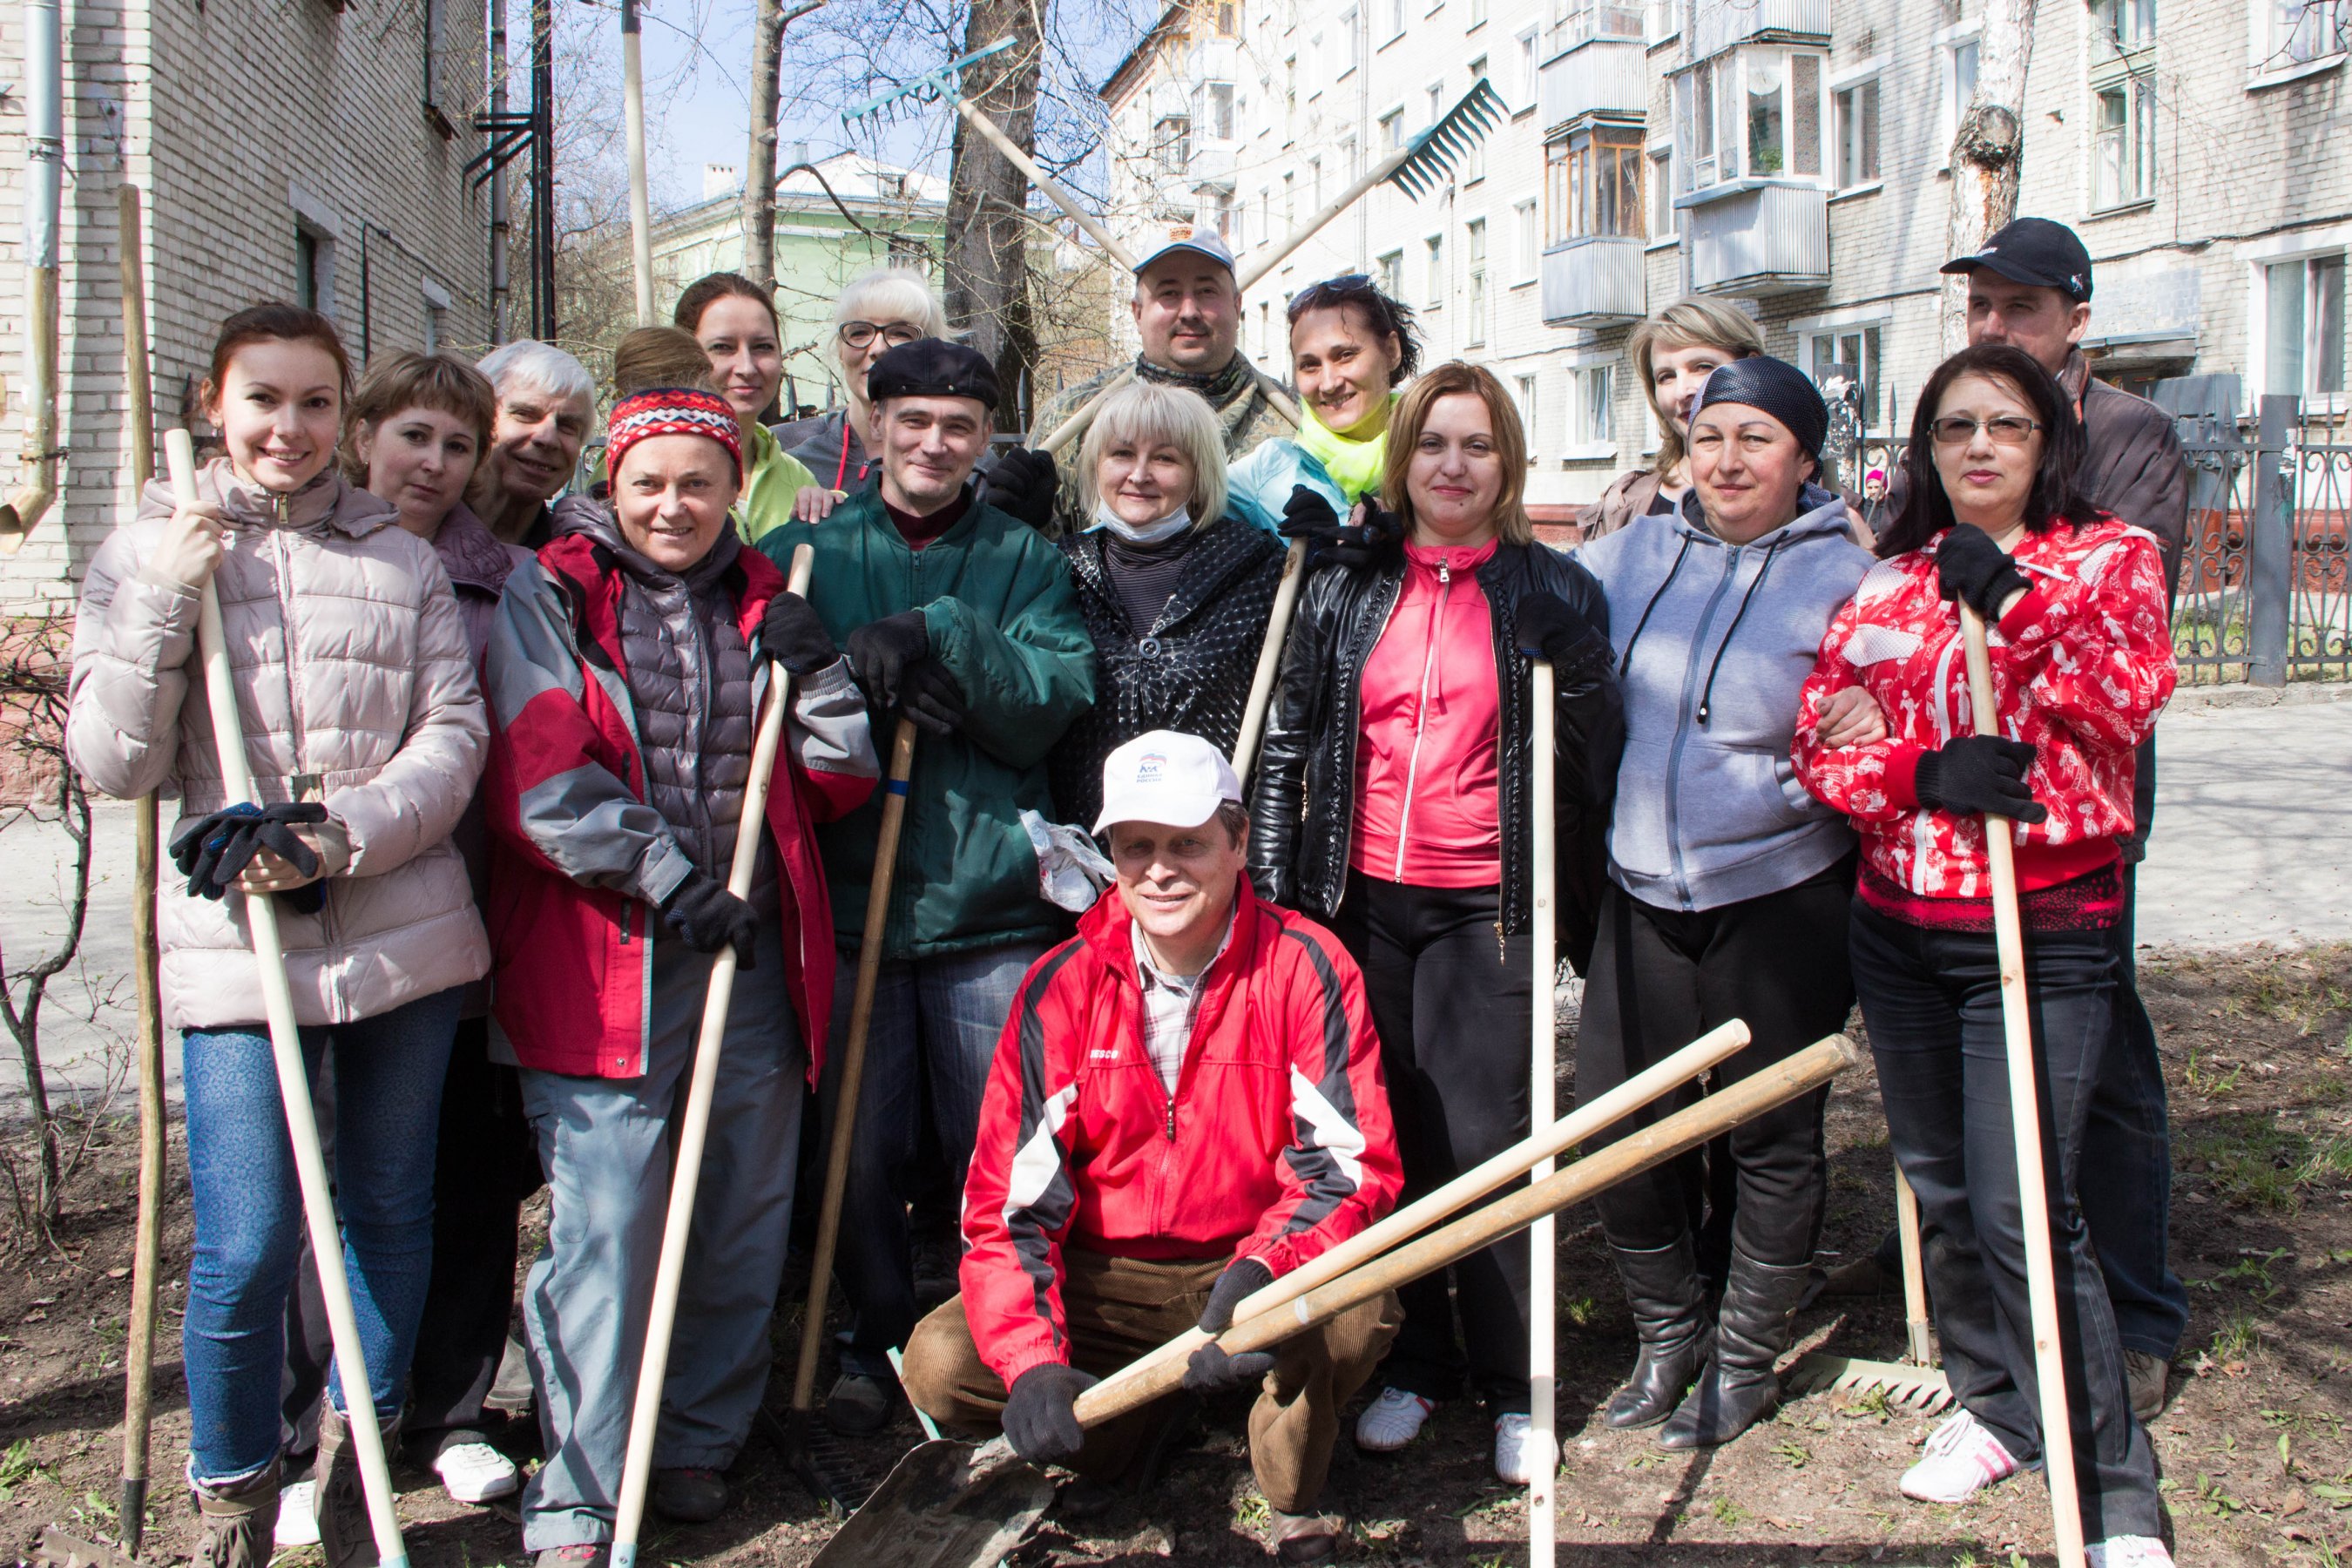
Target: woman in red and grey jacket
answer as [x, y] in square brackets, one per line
[2082, 663]
[1393, 802]
[626, 671]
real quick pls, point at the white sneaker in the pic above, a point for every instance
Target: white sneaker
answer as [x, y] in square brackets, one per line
[476, 1472]
[1392, 1421]
[2127, 1551]
[1961, 1459]
[298, 1516]
[1514, 1450]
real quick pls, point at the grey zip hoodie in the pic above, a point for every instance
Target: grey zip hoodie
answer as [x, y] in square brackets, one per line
[1714, 641]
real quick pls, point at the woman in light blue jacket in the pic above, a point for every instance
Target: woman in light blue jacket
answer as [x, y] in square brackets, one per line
[1351, 347]
[1728, 883]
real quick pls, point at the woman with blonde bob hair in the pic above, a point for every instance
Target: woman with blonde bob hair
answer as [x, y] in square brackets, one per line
[1174, 591]
[1403, 715]
[1672, 351]
[879, 309]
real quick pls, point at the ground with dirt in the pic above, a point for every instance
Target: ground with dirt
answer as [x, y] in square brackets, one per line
[2257, 1455]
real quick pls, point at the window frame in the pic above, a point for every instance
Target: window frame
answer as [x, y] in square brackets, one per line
[1527, 240]
[1433, 251]
[2301, 252]
[1949, 104]
[1850, 85]
[1573, 179]
[2133, 139]
[1591, 420]
[2268, 61]
[1874, 328]
[1478, 301]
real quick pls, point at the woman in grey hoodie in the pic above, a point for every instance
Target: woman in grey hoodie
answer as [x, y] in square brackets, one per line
[1728, 883]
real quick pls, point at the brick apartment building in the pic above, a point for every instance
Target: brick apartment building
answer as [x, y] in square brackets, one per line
[290, 149]
[1789, 154]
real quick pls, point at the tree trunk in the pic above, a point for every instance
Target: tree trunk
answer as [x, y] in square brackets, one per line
[987, 233]
[760, 162]
[1987, 151]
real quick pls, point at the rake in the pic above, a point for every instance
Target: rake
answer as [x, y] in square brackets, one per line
[1915, 1383]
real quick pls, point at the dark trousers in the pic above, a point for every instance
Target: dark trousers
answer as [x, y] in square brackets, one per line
[488, 1163]
[1451, 1002]
[1661, 978]
[1932, 1001]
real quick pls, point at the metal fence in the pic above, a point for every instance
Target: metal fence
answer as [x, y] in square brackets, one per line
[2265, 589]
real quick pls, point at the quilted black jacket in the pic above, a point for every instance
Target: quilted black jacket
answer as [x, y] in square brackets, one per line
[1189, 670]
[1303, 814]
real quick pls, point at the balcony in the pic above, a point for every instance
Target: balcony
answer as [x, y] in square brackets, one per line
[1757, 236]
[1717, 25]
[1212, 60]
[1594, 78]
[1210, 166]
[1592, 281]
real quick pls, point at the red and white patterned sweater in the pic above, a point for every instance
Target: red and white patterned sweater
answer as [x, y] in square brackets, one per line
[2082, 666]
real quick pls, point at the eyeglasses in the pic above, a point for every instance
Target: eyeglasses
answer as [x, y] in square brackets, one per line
[895, 334]
[2006, 429]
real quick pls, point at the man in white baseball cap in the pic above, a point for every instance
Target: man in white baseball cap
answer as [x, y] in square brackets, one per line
[1186, 1104]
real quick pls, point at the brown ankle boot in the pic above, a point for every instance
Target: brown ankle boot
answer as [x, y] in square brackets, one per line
[344, 1533]
[238, 1523]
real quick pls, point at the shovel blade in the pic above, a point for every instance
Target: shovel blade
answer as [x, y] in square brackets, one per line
[58, 1550]
[947, 1505]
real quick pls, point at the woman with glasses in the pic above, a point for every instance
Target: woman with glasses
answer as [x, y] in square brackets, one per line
[1672, 351]
[2081, 664]
[880, 309]
[1351, 347]
[733, 320]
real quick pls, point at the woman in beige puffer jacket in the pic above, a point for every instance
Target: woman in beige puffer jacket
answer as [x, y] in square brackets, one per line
[357, 690]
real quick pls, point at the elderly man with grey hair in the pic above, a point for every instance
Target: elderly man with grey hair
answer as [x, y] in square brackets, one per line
[546, 401]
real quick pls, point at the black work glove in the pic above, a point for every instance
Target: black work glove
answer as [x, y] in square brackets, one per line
[1550, 629]
[1980, 776]
[214, 850]
[1372, 543]
[880, 651]
[929, 696]
[1024, 483]
[707, 917]
[1211, 1371]
[1039, 1418]
[1969, 565]
[791, 634]
[1243, 1277]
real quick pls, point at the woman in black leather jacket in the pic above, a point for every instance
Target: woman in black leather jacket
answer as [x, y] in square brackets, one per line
[1393, 802]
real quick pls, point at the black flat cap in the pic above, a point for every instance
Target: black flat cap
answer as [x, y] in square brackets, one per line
[1776, 387]
[932, 367]
[2036, 252]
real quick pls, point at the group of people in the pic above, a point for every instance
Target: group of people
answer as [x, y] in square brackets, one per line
[501, 724]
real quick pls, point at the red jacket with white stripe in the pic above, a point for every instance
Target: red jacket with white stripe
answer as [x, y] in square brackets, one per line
[1276, 1145]
[2082, 665]
[579, 859]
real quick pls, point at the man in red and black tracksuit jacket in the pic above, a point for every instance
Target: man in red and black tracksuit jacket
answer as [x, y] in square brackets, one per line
[1185, 1104]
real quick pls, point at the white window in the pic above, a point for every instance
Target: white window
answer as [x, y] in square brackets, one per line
[1217, 111]
[1477, 12]
[1226, 14]
[1171, 143]
[2304, 327]
[1855, 348]
[2298, 32]
[1396, 18]
[1290, 99]
[1436, 101]
[1435, 245]
[1347, 57]
[1290, 201]
[1474, 160]
[1784, 111]
[1392, 130]
[1959, 58]
[2124, 165]
[1473, 235]
[1594, 429]
[1525, 241]
[1348, 165]
[2124, 25]
[1523, 398]
[1661, 192]
[1523, 86]
[1392, 270]
[1314, 183]
[1858, 133]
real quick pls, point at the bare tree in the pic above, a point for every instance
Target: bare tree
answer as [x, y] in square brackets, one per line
[988, 197]
[770, 19]
[1987, 149]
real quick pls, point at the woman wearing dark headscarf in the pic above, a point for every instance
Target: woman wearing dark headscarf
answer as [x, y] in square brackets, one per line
[1727, 883]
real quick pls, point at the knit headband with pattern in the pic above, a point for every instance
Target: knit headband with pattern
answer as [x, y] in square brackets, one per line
[671, 411]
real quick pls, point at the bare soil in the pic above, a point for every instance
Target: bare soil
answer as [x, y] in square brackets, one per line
[2256, 1457]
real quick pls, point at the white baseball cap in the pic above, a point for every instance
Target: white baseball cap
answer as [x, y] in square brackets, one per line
[1165, 776]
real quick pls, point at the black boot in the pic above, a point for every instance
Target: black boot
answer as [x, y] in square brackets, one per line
[1738, 1387]
[1662, 1284]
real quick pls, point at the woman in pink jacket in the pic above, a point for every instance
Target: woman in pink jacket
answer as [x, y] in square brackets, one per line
[365, 732]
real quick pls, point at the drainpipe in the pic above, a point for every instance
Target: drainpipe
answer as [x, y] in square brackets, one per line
[44, 170]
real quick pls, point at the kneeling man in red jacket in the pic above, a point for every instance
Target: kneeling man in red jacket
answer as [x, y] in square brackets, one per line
[1186, 1103]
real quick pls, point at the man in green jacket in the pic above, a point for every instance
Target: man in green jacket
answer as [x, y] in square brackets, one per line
[963, 621]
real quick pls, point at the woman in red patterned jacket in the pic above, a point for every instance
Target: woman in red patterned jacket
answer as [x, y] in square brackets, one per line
[2081, 662]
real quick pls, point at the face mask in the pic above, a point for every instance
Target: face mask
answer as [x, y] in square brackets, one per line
[1168, 527]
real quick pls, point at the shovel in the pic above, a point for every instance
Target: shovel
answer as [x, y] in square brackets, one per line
[951, 1505]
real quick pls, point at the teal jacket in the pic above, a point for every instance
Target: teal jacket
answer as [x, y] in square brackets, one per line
[1003, 619]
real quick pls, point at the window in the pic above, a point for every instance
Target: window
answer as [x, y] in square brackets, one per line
[1314, 183]
[1766, 100]
[1216, 111]
[1523, 398]
[1392, 130]
[1523, 86]
[2124, 169]
[1436, 101]
[1396, 17]
[1596, 387]
[1662, 193]
[1171, 143]
[308, 270]
[1784, 99]
[1290, 99]
[1392, 270]
[1436, 246]
[2126, 25]
[1228, 229]
[1474, 159]
[1478, 13]
[1225, 18]
[2303, 329]
[1594, 182]
[436, 60]
[2302, 31]
[1290, 201]
[1857, 134]
[1348, 56]
[436, 316]
[1474, 234]
[1524, 241]
[1960, 84]
[1856, 349]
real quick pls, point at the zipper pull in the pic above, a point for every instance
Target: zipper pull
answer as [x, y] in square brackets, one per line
[1445, 571]
[1171, 1118]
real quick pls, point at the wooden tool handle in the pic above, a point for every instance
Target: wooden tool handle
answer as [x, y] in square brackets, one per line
[1269, 660]
[1073, 427]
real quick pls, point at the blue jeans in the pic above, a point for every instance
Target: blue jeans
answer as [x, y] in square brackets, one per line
[1932, 1001]
[934, 1019]
[388, 1072]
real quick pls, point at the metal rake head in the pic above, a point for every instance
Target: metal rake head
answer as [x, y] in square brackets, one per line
[1919, 1388]
[1434, 151]
[929, 88]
